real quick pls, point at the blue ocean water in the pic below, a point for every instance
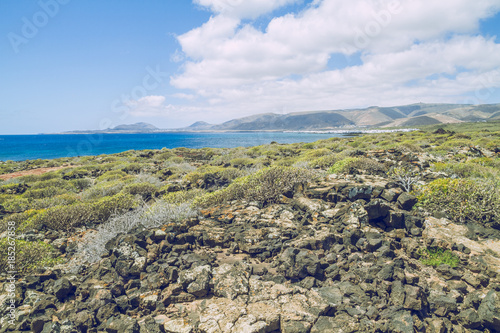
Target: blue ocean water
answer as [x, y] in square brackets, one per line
[27, 147]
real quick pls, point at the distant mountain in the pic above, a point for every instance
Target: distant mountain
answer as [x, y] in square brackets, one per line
[200, 125]
[413, 115]
[139, 127]
[132, 128]
[398, 116]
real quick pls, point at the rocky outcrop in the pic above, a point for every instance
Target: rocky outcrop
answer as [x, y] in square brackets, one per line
[338, 256]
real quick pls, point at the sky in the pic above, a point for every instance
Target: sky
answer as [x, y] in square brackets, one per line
[94, 64]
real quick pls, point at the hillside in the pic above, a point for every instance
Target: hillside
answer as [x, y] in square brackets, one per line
[399, 116]
[414, 115]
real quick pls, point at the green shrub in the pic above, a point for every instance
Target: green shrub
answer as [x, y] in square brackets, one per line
[14, 188]
[180, 197]
[241, 162]
[76, 173]
[436, 256]
[145, 190]
[133, 168]
[63, 199]
[266, 185]
[53, 182]
[211, 176]
[104, 189]
[344, 165]
[81, 184]
[46, 192]
[69, 216]
[471, 169]
[28, 255]
[112, 175]
[462, 199]
[16, 204]
[323, 162]
[369, 165]
[286, 161]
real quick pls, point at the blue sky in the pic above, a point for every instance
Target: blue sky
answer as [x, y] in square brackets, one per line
[93, 64]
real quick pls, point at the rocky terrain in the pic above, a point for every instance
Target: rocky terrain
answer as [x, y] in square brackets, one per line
[341, 253]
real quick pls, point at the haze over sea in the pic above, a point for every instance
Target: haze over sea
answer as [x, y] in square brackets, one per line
[28, 147]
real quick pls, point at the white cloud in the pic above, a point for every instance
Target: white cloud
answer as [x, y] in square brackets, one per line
[410, 51]
[243, 8]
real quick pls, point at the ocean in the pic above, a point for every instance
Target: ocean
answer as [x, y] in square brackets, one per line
[29, 147]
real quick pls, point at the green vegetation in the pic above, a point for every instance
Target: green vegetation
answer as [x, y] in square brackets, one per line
[436, 256]
[462, 200]
[28, 255]
[95, 191]
[266, 185]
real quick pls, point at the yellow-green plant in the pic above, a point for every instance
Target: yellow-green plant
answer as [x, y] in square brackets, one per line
[145, 190]
[462, 199]
[343, 166]
[27, 255]
[436, 256]
[266, 185]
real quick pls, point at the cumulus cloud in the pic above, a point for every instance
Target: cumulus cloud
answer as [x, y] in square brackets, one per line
[243, 8]
[409, 51]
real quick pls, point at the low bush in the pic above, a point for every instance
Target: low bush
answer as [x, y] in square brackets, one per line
[63, 199]
[241, 162]
[76, 173]
[180, 197]
[436, 256]
[69, 216]
[343, 166]
[145, 190]
[210, 176]
[46, 192]
[53, 182]
[82, 184]
[266, 185]
[476, 168]
[370, 166]
[133, 168]
[16, 204]
[323, 162]
[14, 188]
[28, 256]
[462, 199]
[112, 175]
[104, 189]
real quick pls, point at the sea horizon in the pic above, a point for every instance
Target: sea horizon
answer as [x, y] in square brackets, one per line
[20, 147]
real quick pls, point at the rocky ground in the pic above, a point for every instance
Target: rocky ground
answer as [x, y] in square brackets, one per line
[336, 255]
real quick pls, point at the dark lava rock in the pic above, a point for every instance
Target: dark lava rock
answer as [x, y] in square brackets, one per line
[63, 288]
[401, 322]
[489, 311]
[122, 324]
[469, 319]
[406, 201]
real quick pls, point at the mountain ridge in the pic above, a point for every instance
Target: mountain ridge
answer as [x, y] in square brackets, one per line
[418, 114]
